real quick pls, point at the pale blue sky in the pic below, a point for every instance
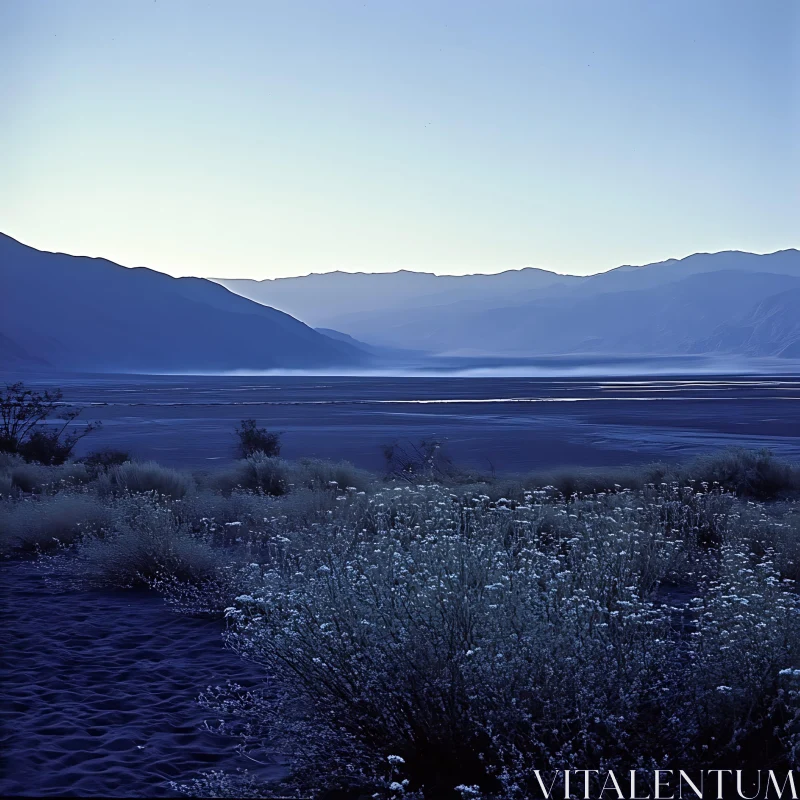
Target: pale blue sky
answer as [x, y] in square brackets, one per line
[261, 139]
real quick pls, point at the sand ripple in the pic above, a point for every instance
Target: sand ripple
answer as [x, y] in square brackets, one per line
[99, 691]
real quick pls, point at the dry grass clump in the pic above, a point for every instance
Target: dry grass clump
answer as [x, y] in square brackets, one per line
[148, 544]
[41, 479]
[45, 523]
[747, 473]
[275, 476]
[569, 482]
[148, 476]
[314, 473]
[257, 473]
[239, 507]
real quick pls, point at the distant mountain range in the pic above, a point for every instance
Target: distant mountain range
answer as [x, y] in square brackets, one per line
[729, 302]
[89, 314]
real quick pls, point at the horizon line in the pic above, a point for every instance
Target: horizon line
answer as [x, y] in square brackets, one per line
[339, 270]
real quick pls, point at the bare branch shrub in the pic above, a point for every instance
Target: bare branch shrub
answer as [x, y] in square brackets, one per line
[252, 439]
[23, 416]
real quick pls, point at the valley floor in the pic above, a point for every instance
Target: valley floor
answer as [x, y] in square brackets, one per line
[509, 424]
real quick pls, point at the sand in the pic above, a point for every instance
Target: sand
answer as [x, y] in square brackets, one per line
[99, 691]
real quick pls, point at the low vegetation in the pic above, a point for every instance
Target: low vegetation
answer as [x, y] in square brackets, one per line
[51, 521]
[148, 544]
[133, 477]
[446, 635]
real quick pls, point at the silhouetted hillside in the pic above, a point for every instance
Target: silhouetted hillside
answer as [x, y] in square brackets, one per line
[91, 314]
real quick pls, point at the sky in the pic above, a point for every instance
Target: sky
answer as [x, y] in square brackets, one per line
[250, 138]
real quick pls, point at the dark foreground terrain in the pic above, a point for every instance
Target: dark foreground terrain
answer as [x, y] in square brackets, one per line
[509, 424]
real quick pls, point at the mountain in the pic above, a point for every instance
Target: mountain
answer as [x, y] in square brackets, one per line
[669, 307]
[89, 314]
[319, 298]
[772, 328]
[667, 319]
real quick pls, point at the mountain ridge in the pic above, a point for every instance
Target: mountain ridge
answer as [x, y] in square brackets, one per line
[539, 312]
[88, 313]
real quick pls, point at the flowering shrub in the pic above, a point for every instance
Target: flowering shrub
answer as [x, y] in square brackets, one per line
[479, 641]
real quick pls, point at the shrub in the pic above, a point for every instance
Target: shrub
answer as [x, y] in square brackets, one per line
[273, 476]
[148, 476]
[147, 545]
[8, 462]
[748, 473]
[777, 531]
[29, 477]
[208, 506]
[256, 473]
[254, 440]
[415, 462]
[47, 447]
[583, 481]
[47, 523]
[99, 460]
[23, 413]
[479, 640]
[42, 479]
[314, 473]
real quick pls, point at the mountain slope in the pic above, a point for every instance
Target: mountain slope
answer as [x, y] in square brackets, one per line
[12, 356]
[666, 319]
[91, 314]
[772, 328]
